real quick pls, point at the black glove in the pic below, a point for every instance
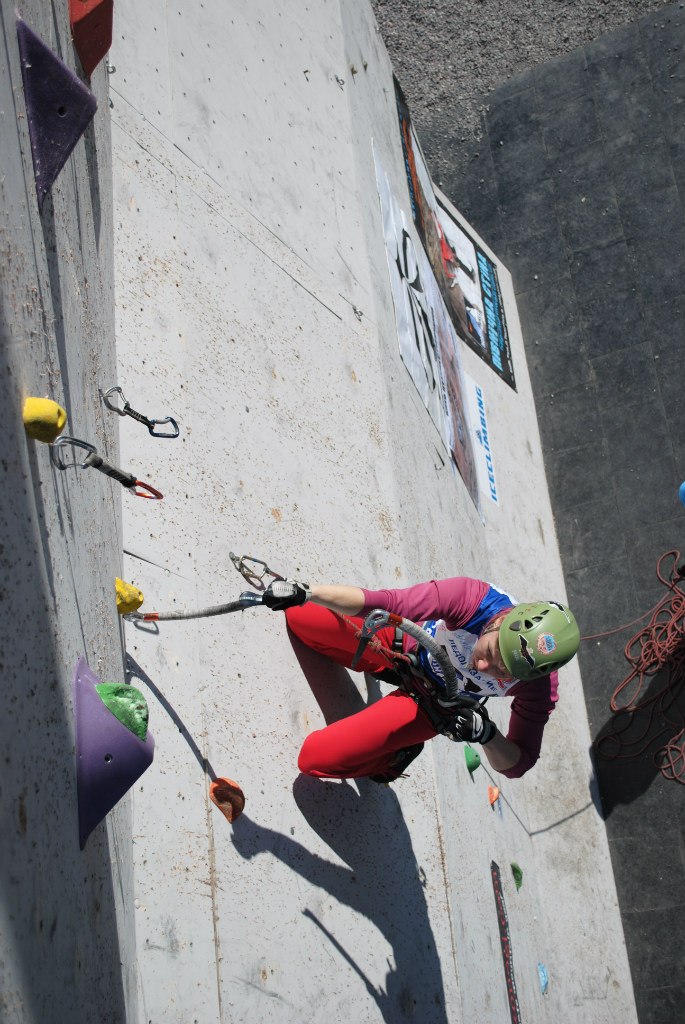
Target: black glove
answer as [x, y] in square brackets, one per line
[282, 594]
[473, 725]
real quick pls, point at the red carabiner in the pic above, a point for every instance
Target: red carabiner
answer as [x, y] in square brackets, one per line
[154, 494]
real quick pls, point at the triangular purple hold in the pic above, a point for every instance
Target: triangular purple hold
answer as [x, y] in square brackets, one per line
[109, 757]
[58, 106]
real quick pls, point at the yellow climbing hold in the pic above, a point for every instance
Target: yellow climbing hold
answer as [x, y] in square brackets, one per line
[44, 420]
[128, 597]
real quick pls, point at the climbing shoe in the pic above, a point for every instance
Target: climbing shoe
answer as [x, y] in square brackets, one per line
[400, 761]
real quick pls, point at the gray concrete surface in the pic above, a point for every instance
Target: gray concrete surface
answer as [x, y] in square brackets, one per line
[66, 950]
[247, 237]
[449, 57]
[246, 233]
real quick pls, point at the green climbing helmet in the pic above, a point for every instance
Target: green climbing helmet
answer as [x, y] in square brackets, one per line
[538, 638]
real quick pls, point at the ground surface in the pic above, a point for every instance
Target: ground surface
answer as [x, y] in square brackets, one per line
[449, 56]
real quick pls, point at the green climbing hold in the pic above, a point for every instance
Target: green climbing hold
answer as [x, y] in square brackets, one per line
[518, 876]
[128, 705]
[472, 759]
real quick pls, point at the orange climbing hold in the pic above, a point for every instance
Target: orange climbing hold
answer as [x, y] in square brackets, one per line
[228, 797]
[493, 795]
[91, 30]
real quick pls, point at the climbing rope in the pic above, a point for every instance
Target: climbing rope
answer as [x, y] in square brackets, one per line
[251, 569]
[659, 645]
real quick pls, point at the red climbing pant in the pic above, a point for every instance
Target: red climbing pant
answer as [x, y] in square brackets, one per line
[365, 743]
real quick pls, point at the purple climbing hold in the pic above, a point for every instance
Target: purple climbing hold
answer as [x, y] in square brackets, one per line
[109, 757]
[59, 108]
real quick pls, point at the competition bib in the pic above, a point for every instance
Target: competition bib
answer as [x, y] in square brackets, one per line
[459, 644]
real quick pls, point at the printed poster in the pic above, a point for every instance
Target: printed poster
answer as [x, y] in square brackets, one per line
[485, 466]
[466, 276]
[427, 339]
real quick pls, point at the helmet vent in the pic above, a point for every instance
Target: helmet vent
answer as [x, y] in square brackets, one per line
[526, 653]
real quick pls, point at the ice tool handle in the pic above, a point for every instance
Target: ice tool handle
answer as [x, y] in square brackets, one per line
[378, 619]
[151, 425]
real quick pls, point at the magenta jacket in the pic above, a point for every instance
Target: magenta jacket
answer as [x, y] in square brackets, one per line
[458, 609]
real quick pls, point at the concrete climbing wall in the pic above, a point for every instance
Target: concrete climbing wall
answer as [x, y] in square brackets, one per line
[66, 938]
[253, 305]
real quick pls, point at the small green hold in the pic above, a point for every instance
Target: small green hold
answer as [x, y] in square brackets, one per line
[472, 759]
[128, 705]
[518, 876]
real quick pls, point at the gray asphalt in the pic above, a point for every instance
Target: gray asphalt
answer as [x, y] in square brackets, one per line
[448, 55]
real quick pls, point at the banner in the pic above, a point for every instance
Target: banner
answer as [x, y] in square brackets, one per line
[427, 339]
[485, 467]
[466, 276]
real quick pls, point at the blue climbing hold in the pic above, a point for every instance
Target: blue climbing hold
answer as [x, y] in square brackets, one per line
[544, 980]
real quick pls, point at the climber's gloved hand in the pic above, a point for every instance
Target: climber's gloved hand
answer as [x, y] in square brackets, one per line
[473, 725]
[282, 594]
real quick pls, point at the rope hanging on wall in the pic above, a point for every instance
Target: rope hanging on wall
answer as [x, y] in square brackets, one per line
[659, 645]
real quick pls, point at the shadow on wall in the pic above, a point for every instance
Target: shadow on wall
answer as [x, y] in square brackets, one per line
[380, 878]
[59, 945]
[56, 312]
[625, 750]
[135, 672]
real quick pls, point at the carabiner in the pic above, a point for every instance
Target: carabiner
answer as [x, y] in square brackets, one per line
[95, 461]
[65, 441]
[375, 620]
[253, 577]
[128, 411]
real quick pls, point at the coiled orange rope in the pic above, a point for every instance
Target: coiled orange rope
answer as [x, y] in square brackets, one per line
[660, 644]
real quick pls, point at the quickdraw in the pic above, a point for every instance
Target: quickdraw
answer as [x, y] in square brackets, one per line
[128, 411]
[247, 567]
[95, 461]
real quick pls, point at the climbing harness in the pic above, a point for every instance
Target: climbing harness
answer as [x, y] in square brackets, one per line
[248, 567]
[412, 679]
[95, 461]
[128, 411]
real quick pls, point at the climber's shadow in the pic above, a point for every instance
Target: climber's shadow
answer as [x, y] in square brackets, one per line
[331, 684]
[379, 879]
[362, 823]
[625, 749]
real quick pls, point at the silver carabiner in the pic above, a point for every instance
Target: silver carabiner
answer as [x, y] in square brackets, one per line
[65, 441]
[128, 411]
[95, 461]
[253, 577]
